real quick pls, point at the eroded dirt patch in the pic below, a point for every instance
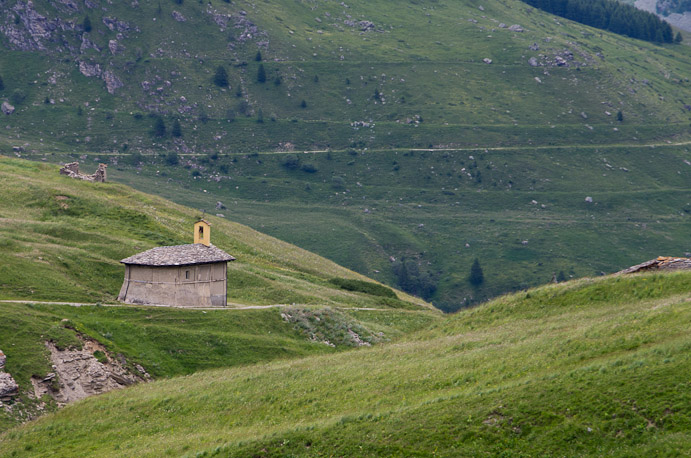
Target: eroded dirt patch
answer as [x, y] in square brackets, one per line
[79, 373]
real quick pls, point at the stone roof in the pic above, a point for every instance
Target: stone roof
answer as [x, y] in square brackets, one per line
[179, 255]
[660, 263]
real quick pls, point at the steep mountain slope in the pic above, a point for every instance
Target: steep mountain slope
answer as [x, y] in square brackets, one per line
[391, 66]
[589, 368]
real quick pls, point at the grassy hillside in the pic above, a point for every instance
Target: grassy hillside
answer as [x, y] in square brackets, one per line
[589, 368]
[379, 81]
[62, 240]
[172, 342]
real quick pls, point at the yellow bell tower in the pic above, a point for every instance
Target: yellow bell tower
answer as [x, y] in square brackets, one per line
[202, 232]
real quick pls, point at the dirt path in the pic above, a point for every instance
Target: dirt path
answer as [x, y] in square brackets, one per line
[230, 306]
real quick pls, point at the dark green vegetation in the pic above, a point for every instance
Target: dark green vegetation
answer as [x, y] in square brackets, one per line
[588, 368]
[172, 342]
[369, 88]
[610, 15]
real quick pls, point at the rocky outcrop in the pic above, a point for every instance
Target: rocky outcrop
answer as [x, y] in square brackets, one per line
[7, 108]
[89, 69]
[8, 387]
[79, 373]
[72, 171]
[112, 81]
[178, 16]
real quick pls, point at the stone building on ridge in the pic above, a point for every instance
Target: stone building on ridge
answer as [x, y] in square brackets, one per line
[192, 275]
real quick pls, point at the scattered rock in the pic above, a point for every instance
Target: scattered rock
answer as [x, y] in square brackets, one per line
[8, 387]
[534, 47]
[115, 25]
[7, 108]
[178, 17]
[72, 171]
[89, 70]
[584, 115]
[533, 62]
[487, 60]
[220, 206]
[112, 81]
[589, 199]
[516, 28]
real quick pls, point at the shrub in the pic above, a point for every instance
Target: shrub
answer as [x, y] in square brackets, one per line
[361, 286]
[172, 158]
[18, 96]
[303, 104]
[309, 168]
[291, 162]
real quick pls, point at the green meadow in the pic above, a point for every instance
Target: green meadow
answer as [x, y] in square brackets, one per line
[593, 367]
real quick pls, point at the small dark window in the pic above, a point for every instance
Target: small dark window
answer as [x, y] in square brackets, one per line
[201, 232]
[187, 275]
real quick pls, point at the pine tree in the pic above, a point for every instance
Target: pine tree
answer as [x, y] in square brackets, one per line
[221, 77]
[258, 57]
[160, 128]
[303, 104]
[261, 74]
[2, 84]
[87, 24]
[476, 277]
[678, 38]
[176, 131]
[620, 116]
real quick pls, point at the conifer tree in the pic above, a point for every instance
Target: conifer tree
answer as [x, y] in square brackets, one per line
[261, 74]
[159, 127]
[221, 77]
[258, 57]
[87, 24]
[476, 277]
[176, 131]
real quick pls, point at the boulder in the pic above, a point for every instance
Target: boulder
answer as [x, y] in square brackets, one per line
[7, 108]
[178, 16]
[533, 62]
[516, 28]
[112, 81]
[8, 387]
[3, 359]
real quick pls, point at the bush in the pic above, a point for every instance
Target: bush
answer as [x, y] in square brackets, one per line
[361, 286]
[18, 96]
[172, 158]
[291, 162]
[309, 168]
